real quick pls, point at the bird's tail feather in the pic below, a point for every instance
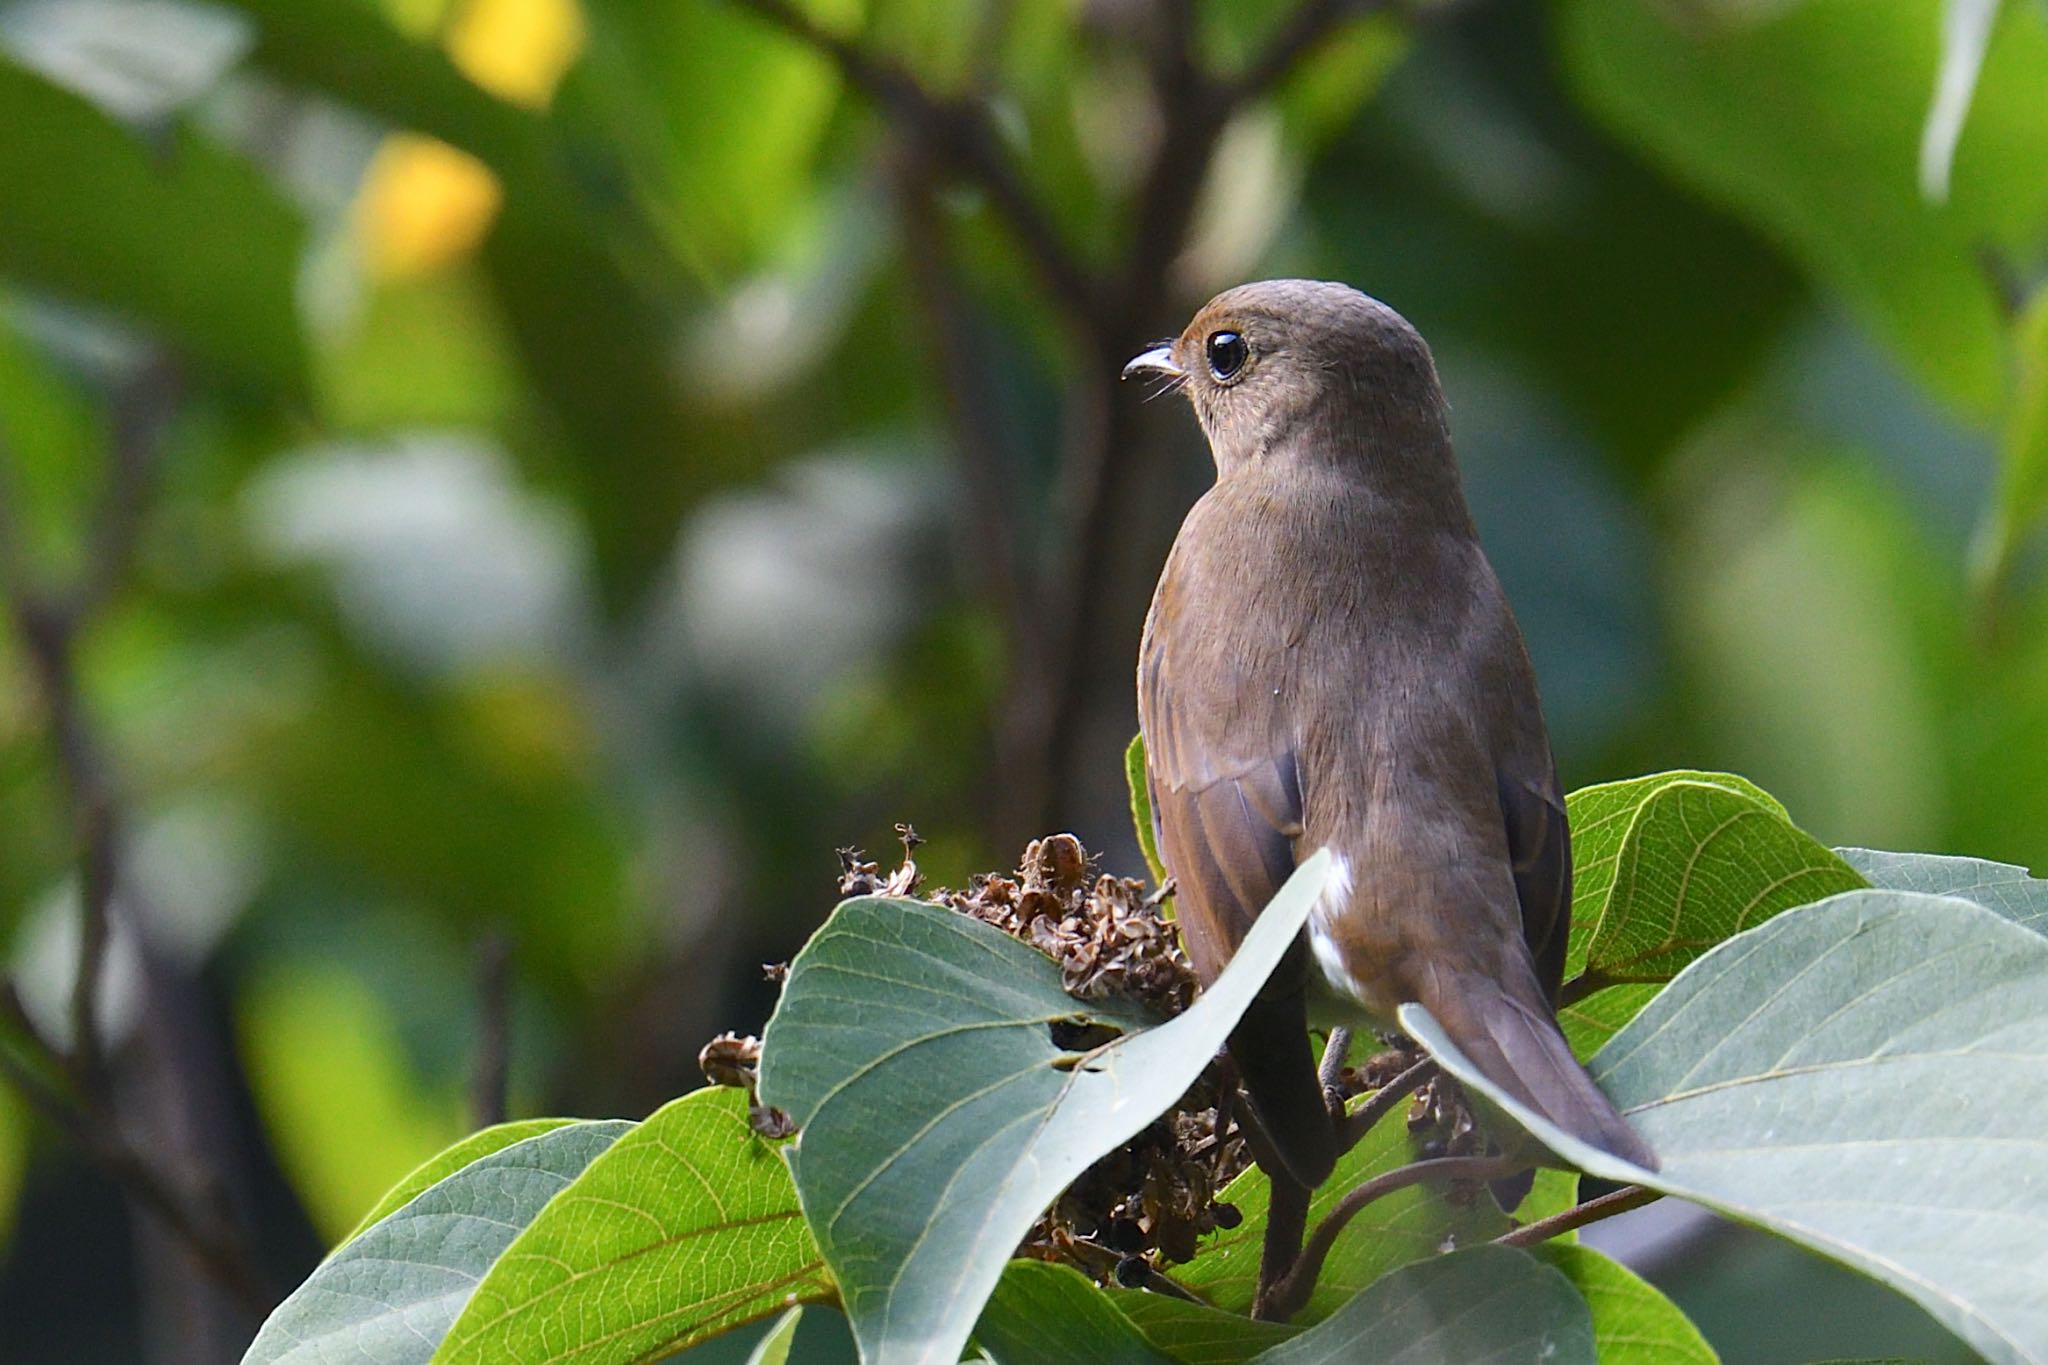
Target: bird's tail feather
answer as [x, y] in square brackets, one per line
[1518, 1046]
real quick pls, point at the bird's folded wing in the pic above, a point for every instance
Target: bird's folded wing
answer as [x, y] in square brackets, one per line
[1539, 843]
[1227, 820]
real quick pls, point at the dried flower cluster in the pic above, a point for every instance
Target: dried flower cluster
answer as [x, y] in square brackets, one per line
[730, 1059]
[1154, 1196]
[1105, 932]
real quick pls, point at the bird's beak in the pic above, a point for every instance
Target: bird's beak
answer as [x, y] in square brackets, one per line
[1159, 360]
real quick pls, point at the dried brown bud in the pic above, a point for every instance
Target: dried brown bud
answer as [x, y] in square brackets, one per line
[730, 1059]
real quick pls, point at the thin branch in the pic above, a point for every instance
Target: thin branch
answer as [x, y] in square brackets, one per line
[1336, 1048]
[1357, 1125]
[958, 133]
[1307, 29]
[492, 1063]
[1579, 1215]
[1293, 1290]
[142, 414]
[95, 1131]
[48, 624]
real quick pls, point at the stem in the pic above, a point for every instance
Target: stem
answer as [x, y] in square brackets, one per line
[492, 1064]
[958, 133]
[1592, 1211]
[1357, 1125]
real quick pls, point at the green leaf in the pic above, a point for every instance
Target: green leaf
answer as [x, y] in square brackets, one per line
[1633, 1323]
[1196, 1334]
[1666, 866]
[774, 1348]
[1408, 1225]
[390, 1294]
[1805, 119]
[915, 1048]
[686, 1227]
[2003, 888]
[1867, 1076]
[189, 239]
[439, 1167]
[1141, 808]
[1489, 1304]
[1041, 1311]
[2022, 493]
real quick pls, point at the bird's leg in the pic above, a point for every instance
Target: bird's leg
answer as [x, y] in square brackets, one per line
[1281, 1299]
[1286, 1209]
[1331, 1072]
[1286, 1221]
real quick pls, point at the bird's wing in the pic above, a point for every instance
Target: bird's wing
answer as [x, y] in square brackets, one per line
[1227, 810]
[1539, 843]
[1227, 818]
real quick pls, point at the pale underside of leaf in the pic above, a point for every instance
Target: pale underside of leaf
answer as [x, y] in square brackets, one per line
[939, 1115]
[1868, 1076]
[391, 1294]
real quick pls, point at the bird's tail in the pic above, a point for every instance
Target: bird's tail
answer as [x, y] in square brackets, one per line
[1517, 1045]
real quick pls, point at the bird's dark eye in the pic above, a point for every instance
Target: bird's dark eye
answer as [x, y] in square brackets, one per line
[1227, 354]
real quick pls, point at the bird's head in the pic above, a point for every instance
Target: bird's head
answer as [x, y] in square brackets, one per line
[1306, 367]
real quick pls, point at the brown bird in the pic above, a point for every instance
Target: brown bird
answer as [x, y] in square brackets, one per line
[1330, 661]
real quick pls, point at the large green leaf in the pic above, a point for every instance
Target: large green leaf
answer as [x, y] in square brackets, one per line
[447, 1162]
[1196, 1334]
[686, 1227]
[1407, 1225]
[1867, 1076]
[1633, 1324]
[1806, 119]
[941, 1110]
[1489, 1304]
[1041, 1311]
[191, 240]
[390, 1294]
[2009, 890]
[1665, 867]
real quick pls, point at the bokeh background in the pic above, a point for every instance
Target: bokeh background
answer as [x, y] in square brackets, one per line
[496, 492]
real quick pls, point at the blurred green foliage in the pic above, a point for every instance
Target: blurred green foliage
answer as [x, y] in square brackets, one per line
[561, 530]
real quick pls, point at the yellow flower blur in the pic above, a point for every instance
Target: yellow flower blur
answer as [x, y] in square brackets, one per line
[425, 204]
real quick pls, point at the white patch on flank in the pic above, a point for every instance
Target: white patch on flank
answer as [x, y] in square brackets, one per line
[1335, 898]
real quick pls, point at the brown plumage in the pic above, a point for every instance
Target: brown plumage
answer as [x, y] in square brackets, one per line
[1329, 660]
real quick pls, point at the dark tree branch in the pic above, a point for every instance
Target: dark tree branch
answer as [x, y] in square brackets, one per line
[492, 1064]
[958, 134]
[1579, 1215]
[48, 624]
[1307, 29]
